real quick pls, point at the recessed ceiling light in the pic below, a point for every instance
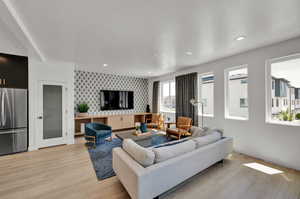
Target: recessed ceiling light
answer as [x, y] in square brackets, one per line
[188, 53]
[105, 65]
[240, 38]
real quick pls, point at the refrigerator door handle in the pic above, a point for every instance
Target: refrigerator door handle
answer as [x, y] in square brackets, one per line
[0, 107]
[7, 109]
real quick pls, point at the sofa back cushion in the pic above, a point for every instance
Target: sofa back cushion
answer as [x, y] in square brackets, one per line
[142, 155]
[207, 139]
[168, 152]
[198, 131]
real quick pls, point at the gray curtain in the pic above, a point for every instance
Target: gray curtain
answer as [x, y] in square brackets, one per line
[155, 97]
[186, 89]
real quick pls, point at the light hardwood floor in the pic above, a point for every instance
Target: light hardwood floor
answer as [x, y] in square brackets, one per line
[67, 172]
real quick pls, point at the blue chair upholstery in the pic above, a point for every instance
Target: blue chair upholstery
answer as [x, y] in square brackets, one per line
[97, 132]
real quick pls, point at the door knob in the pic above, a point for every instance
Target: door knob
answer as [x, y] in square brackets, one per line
[40, 117]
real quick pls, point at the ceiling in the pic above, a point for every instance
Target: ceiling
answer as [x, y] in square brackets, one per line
[151, 38]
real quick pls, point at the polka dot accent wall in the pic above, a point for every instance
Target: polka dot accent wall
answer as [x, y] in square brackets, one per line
[88, 86]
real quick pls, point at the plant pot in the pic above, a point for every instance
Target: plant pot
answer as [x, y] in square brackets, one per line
[82, 114]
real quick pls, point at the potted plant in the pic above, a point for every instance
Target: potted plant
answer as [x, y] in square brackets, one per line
[298, 116]
[286, 116]
[82, 109]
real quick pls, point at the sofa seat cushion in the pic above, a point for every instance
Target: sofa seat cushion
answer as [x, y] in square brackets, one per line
[207, 139]
[168, 152]
[142, 155]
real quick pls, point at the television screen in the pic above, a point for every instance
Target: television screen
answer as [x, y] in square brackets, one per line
[116, 100]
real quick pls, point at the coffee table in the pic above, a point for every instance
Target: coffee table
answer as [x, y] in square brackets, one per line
[147, 140]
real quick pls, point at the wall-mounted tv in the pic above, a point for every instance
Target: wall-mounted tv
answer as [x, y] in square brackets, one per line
[116, 100]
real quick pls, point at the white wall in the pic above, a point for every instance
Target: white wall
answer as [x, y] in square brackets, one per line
[275, 143]
[49, 71]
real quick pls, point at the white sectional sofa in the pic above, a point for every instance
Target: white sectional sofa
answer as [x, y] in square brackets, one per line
[152, 180]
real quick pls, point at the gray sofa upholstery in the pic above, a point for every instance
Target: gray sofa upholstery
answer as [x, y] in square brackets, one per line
[150, 182]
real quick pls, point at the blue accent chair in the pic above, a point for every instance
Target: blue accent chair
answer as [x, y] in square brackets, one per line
[96, 133]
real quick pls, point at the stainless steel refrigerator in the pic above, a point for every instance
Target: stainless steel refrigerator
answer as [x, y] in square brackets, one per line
[13, 120]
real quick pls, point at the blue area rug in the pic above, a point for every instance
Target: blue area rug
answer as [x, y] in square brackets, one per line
[101, 156]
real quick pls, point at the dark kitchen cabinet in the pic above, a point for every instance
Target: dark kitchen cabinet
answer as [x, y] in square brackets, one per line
[13, 71]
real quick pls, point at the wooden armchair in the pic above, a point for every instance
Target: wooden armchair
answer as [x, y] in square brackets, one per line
[157, 121]
[183, 126]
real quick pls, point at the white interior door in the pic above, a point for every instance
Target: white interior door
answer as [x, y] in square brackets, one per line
[52, 114]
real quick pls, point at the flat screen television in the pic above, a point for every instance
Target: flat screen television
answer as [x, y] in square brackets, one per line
[116, 100]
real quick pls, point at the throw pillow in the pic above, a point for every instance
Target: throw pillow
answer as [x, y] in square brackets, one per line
[142, 155]
[144, 128]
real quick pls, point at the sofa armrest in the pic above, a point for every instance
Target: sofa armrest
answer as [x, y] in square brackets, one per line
[128, 171]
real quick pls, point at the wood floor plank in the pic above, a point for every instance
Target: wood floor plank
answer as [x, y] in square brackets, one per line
[67, 172]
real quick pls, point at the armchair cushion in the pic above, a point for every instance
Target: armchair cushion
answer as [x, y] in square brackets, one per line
[184, 123]
[98, 130]
[177, 131]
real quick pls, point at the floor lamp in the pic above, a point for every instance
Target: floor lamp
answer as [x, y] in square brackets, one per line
[195, 103]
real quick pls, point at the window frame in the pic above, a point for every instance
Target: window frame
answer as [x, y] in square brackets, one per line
[268, 89]
[200, 75]
[226, 92]
[161, 94]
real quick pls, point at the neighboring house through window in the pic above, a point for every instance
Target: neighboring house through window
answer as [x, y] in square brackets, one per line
[206, 94]
[283, 85]
[236, 93]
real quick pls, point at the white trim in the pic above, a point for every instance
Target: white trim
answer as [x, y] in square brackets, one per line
[53, 141]
[207, 115]
[236, 118]
[268, 88]
[226, 93]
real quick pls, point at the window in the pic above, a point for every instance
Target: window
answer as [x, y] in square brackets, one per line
[283, 83]
[167, 99]
[243, 103]
[236, 93]
[206, 94]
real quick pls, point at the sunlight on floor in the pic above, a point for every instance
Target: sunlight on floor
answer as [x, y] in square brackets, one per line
[263, 168]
